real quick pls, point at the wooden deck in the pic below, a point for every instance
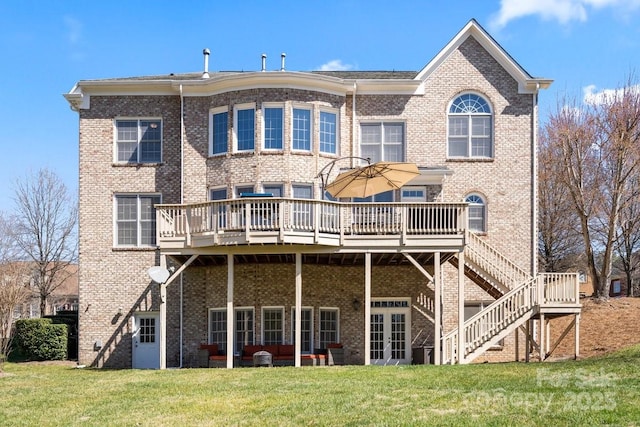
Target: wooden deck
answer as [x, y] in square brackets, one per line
[311, 225]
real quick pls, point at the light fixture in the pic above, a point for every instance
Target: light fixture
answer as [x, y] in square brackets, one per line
[119, 311]
[356, 304]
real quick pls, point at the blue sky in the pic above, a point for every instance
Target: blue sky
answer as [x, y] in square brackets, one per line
[586, 46]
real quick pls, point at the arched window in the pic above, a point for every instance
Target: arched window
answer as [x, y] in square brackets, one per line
[477, 213]
[470, 127]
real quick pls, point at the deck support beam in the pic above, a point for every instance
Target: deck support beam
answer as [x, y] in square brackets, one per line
[542, 338]
[437, 310]
[230, 315]
[461, 345]
[298, 320]
[367, 308]
[577, 336]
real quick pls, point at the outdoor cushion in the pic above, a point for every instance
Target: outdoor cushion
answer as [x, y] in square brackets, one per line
[211, 348]
[273, 349]
[250, 349]
[286, 350]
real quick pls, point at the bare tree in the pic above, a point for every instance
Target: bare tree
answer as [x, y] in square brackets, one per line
[46, 218]
[598, 147]
[14, 286]
[560, 242]
[628, 235]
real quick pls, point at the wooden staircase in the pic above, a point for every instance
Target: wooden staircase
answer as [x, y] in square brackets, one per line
[519, 297]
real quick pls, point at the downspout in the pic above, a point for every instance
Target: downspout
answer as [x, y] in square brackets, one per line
[181, 202]
[534, 190]
[353, 124]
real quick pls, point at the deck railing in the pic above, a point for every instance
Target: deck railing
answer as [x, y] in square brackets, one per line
[544, 290]
[494, 263]
[279, 214]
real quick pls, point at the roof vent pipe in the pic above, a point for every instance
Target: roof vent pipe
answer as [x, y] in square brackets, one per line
[264, 62]
[282, 57]
[205, 74]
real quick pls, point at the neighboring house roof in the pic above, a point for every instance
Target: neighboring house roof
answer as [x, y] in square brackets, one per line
[338, 82]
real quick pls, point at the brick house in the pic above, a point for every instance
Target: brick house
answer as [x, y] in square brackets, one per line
[173, 170]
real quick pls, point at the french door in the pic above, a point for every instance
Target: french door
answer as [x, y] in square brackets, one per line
[390, 332]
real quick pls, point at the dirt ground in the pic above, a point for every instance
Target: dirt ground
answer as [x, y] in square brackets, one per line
[604, 327]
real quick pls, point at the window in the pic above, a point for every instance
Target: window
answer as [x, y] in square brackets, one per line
[301, 129]
[328, 132]
[306, 330]
[243, 328]
[219, 129]
[273, 189]
[470, 127]
[218, 194]
[272, 326]
[477, 213]
[328, 326]
[382, 142]
[245, 128]
[221, 211]
[136, 220]
[139, 141]
[218, 327]
[385, 197]
[273, 118]
[243, 189]
[302, 212]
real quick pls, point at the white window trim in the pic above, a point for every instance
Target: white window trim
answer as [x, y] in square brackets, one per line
[212, 112]
[115, 139]
[336, 309]
[284, 320]
[273, 184]
[493, 126]
[381, 123]
[211, 310]
[293, 332]
[115, 221]
[309, 108]
[236, 186]
[485, 219]
[335, 111]
[236, 108]
[265, 105]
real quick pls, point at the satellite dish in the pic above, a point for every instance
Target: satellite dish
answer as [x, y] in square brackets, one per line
[158, 274]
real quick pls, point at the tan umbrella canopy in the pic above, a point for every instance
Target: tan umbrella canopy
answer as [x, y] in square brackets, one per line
[372, 179]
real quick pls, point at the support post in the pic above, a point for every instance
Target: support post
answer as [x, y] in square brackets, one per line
[577, 336]
[437, 310]
[542, 339]
[298, 321]
[527, 341]
[163, 318]
[367, 308]
[461, 345]
[230, 316]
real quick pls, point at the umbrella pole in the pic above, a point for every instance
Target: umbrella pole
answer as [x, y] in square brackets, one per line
[324, 176]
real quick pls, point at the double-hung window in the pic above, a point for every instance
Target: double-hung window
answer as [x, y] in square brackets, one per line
[328, 328]
[139, 141]
[272, 325]
[136, 219]
[218, 327]
[301, 139]
[302, 211]
[244, 124]
[470, 127]
[328, 132]
[273, 118]
[382, 141]
[244, 328]
[219, 125]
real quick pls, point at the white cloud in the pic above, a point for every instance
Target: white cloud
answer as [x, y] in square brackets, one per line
[74, 29]
[593, 97]
[562, 11]
[335, 65]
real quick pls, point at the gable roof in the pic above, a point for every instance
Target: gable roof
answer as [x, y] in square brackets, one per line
[526, 83]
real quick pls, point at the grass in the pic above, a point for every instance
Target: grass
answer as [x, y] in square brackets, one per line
[589, 392]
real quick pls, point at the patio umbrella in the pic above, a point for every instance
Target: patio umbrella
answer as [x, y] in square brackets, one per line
[372, 179]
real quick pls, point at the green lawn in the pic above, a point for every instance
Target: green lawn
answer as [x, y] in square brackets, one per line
[588, 392]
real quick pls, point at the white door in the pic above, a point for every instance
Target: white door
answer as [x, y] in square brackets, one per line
[146, 341]
[390, 332]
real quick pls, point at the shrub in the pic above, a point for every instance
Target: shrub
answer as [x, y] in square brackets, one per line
[39, 339]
